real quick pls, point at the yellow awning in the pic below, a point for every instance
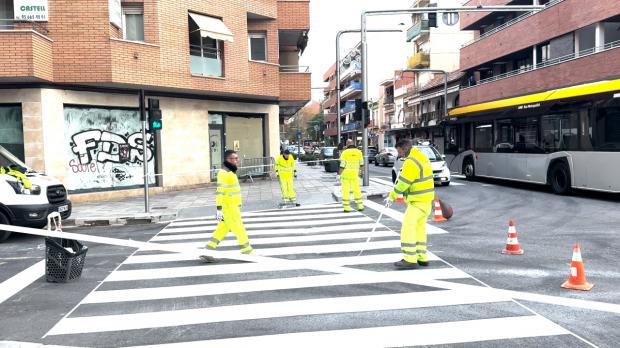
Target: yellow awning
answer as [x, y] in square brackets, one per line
[212, 27]
[555, 94]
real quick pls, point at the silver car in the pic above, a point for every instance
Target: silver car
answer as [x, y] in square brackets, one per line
[386, 157]
[441, 172]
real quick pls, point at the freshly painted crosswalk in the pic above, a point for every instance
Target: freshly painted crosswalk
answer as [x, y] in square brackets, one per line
[317, 289]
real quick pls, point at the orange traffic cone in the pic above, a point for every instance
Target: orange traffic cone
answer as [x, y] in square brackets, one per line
[577, 277]
[512, 243]
[438, 217]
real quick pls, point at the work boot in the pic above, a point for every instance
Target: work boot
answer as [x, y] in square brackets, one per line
[360, 207]
[423, 263]
[348, 210]
[208, 259]
[402, 264]
[297, 205]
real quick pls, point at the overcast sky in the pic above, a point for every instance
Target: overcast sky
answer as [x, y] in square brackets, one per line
[387, 51]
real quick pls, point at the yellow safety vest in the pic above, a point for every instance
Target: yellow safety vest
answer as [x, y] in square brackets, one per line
[285, 167]
[228, 192]
[21, 177]
[415, 181]
[350, 160]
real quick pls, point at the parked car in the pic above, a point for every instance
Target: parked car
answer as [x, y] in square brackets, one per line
[327, 153]
[317, 151]
[28, 207]
[296, 151]
[441, 172]
[372, 152]
[386, 157]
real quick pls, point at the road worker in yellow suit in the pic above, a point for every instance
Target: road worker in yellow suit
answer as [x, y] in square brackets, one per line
[285, 169]
[228, 202]
[416, 186]
[351, 160]
[18, 174]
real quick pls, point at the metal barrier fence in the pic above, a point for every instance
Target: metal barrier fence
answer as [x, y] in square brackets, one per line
[255, 167]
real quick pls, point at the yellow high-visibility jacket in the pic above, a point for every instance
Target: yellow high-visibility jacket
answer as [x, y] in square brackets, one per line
[285, 168]
[350, 161]
[228, 192]
[415, 181]
[21, 177]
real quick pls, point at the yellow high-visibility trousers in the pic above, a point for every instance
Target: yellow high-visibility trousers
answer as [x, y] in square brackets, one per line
[413, 232]
[348, 185]
[287, 189]
[232, 222]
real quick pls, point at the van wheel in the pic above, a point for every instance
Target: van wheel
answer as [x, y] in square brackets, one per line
[468, 169]
[4, 220]
[560, 180]
[376, 163]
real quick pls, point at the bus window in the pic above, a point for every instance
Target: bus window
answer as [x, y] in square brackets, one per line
[607, 129]
[560, 132]
[526, 135]
[505, 136]
[483, 137]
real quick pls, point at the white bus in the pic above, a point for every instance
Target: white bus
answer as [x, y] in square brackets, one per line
[567, 138]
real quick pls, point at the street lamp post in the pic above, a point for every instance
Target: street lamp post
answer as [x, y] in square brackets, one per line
[364, 44]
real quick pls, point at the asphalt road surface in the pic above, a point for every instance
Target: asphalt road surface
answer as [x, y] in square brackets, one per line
[316, 290]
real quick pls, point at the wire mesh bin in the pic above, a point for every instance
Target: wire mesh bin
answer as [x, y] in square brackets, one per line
[64, 259]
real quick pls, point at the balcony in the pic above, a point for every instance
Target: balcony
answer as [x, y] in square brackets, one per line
[354, 70]
[353, 89]
[417, 29]
[330, 118]
[543, 26]
[348, 108]
[419, 60]
[331, 101]
[351, 126]
[330, 132]
[295, 83]
[206, 61]
[594, 64]
[26, 54]
[431, 118]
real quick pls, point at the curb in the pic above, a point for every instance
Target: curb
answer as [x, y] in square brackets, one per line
[137, 219]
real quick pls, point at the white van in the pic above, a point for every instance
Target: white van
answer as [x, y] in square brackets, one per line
[28, 207]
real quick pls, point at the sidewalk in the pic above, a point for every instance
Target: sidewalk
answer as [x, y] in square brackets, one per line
[313, 185]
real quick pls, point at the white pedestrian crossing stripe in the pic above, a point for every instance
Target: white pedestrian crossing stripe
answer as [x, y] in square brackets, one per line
[155, 295]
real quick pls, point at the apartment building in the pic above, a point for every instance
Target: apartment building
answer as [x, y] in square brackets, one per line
[436, 42]
[559, 68]
[226, 75]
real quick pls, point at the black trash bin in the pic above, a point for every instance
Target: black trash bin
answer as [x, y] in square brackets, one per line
[331, 166]
[63, 265]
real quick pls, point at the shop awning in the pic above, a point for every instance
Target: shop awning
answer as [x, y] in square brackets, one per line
[212, 27]
[555, 94]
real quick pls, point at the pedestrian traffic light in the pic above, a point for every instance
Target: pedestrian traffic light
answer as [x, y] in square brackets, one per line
[432, 19]
[155, 122]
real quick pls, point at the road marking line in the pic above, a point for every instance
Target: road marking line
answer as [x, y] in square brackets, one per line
[166, 292]
[253, 232]
[135, 321]
[21, 280]
[314, 222]
[279, 240]
[268, 219]
[382, 182]
[398, 216]
[395, 336]
[206, 270]
[279, 212]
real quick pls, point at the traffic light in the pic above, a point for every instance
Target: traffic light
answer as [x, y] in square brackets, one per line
[432, 19]
[155, 122]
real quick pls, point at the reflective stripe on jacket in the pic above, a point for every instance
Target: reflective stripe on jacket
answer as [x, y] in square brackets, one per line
[285, 167]
[228, 190]
[350, 161]
[415, 180]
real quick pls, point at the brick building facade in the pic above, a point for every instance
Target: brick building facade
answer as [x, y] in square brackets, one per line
[226, 74]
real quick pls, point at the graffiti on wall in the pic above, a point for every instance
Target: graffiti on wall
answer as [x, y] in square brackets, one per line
[105, 148]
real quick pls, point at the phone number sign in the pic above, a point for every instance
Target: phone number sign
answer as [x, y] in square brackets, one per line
[30, 10]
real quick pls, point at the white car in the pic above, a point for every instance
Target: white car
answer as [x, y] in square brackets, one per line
[24, 207]
[441, 172]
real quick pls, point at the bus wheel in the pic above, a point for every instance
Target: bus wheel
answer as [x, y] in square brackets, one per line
[4, 220]
[468, 169]
[559, 177]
